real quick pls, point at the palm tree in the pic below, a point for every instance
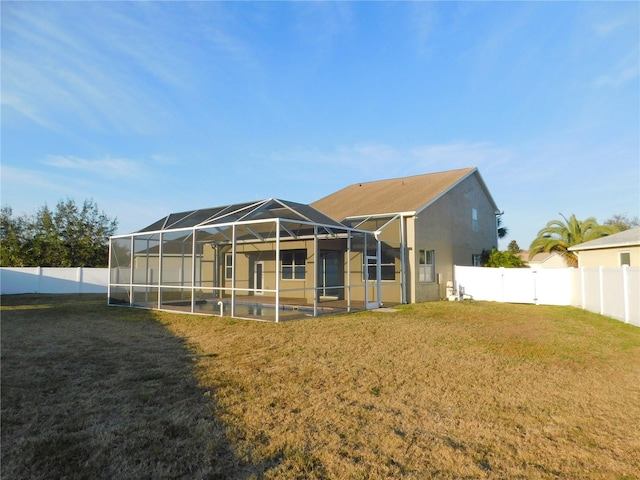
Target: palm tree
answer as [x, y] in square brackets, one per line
[502, 230]
[559, 235]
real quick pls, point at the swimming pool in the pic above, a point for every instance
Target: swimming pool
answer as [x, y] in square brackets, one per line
[263, 311]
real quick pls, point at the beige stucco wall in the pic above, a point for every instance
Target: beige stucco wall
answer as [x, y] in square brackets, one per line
[446, 227]
[248, 254]
[608, 257]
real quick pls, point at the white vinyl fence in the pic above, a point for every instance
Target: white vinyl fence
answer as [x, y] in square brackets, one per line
[53, 280]
[610, 291]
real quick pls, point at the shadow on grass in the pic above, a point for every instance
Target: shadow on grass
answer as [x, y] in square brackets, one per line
[95, 392]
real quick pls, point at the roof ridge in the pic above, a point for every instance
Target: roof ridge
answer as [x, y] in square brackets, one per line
[469, 169]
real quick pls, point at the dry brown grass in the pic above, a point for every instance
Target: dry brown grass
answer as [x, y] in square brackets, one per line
[90, 392]
[444, 390]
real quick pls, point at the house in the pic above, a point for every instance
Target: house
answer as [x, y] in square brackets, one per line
[270, 260]
[544, 260]
[615, 250]
[426, 224]
[384, 242]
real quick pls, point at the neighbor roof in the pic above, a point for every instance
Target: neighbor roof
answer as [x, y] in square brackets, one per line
[627, 238]
[242, 212]
[538, 257]
[397, 195]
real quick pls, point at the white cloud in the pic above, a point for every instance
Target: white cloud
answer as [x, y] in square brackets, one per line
[610, 25]
[111, 69]
[30, 179]
[371, 161]
[623, 72]
[459, 155]
[105, 168]
[423, 17]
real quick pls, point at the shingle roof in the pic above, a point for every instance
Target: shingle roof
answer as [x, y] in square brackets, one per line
[625, 238]
[397, 195]
[538, 257]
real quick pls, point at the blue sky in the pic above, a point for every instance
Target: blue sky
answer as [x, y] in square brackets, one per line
[153, 107]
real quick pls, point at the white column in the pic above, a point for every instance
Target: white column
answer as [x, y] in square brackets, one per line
[277, 299]
[348, 283]
[193, 271]
[161, 241]
[316, 259]
[233, 270]
[379, 272]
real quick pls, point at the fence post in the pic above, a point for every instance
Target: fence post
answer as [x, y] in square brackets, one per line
[583, 302]
[601, 280]
[39, 281]
[79, 279]
[625, 290]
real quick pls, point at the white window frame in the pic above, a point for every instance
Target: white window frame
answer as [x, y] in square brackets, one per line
[297, 269]
[228, 266]
[384, 267]
[474, 219]
[425, 268]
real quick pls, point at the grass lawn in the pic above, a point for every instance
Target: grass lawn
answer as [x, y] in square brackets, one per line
[437, 390]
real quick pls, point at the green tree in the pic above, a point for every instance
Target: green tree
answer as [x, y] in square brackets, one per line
[622, 222]
[514, 247]
[42, 244]
[11, 239]
[559, 235]
[505, 259]
[69, 236]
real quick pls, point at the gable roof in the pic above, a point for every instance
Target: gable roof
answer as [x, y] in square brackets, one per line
[626, 238]
[397, 195]
[539, 258]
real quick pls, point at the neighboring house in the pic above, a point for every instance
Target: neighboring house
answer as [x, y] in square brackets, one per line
[384, 242]
[544, 260]
[426, 224]
[615, 250]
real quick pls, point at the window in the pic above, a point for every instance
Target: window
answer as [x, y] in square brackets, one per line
[293, 264]
[228, 266]
[625, 258]
[474, 219]
[476, 260]
[387, 265]
[427, 267]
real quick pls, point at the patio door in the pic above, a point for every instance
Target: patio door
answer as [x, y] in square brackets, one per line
[258, 277]
[330, 276]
